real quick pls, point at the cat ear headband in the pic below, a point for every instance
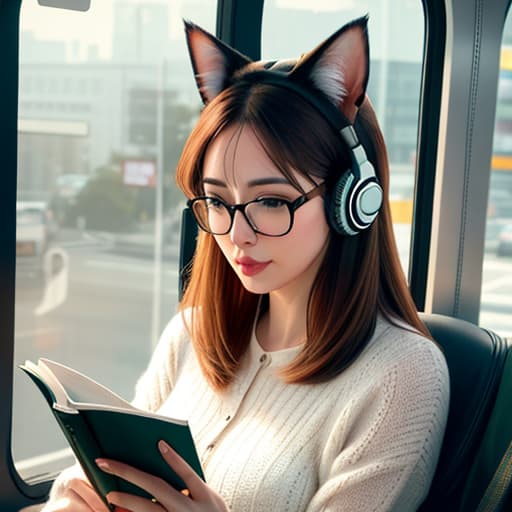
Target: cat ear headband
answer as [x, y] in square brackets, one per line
[333, 78]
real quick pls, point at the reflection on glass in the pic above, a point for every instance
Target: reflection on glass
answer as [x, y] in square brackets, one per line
[496, 300]
[396, 53]
[107, 99]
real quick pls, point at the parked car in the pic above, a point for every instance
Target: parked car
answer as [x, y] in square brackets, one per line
[500, 204]
[67, 188]
[493, 230]
[499, 216]
[35, 229]
[505, 241]
[69, 185]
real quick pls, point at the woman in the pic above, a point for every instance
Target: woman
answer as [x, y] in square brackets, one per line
[298, 358]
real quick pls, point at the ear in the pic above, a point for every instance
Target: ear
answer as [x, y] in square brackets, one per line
[339, 67]
[213, 61]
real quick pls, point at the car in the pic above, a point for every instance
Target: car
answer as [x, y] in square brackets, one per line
[35, 230]
[493, 230]
[499, 216]
[69, 185]
[505, 241]
[500, 204]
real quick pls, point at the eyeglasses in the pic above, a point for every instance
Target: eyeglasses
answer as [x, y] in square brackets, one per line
[270, 216]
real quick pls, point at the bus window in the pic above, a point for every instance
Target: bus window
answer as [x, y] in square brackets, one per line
[396, 51]
[97, 274]
[496, 298]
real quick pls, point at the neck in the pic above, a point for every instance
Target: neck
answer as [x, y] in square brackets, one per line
[283, 325]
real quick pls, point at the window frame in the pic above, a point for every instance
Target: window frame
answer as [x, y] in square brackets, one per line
[13, 490]
[468, 96]
[428, 130]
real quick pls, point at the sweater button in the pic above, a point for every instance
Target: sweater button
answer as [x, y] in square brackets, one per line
[210, 447]
[228, 418]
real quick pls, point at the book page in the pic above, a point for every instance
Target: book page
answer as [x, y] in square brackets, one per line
[61, 397]
[82, 389]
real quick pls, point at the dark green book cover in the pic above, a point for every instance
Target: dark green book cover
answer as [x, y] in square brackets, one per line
[128, 435]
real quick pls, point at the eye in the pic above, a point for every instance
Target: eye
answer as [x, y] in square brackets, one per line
[272, 202]
[214, 202]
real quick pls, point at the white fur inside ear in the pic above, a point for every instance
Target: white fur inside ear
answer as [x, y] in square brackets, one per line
[328, 74]
[211, 68]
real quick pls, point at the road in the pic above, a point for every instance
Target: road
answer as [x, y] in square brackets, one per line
[101, 323]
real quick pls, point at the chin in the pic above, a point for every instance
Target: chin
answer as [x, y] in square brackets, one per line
[261, 286]
[254, 284]
[251, 285]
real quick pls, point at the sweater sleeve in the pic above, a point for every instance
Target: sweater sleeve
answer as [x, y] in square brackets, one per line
[384, 458]
[155, 384]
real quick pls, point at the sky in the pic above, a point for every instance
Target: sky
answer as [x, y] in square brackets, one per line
[94, 28]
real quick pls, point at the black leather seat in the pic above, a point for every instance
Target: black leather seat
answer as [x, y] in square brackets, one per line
[475, 359]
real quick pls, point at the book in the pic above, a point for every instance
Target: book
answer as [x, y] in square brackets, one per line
[99, 423]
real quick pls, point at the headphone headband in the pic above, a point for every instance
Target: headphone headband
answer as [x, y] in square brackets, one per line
[335, 118]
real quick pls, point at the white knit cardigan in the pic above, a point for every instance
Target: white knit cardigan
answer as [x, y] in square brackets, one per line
[367, 440]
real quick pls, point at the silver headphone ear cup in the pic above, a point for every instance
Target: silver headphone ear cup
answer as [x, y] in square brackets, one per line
[367, 203]
[338, 207]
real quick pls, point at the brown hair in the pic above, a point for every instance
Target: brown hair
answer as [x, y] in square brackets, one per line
[359, 276]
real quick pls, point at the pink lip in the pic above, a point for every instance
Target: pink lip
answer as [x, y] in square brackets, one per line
[250, 267]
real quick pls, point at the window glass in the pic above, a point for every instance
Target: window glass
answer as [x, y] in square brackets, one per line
[97, 208]
[496, 305]
[396, 51]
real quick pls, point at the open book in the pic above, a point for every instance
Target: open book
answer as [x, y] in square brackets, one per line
[99, 423]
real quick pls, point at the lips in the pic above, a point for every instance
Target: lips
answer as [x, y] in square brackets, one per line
[250, 267]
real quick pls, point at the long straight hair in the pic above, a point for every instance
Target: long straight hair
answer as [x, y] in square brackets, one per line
[360, 276]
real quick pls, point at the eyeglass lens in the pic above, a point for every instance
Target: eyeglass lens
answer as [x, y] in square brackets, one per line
[269, 216]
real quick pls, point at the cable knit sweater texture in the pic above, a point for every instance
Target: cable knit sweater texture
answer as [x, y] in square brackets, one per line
[367, 440]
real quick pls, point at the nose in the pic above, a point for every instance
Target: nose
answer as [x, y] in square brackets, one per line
[241, 233]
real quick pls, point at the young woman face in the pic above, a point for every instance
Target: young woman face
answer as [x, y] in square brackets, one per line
[237, 170]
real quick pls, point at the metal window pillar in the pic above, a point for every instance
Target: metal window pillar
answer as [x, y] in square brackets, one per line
[468, 104]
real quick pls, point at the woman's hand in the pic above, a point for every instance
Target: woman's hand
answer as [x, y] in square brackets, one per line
[198, 498]
[73, 492]
[78, 496]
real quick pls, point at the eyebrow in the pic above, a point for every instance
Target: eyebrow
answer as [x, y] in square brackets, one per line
[253, 183]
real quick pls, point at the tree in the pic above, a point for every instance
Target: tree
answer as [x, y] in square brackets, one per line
[106, 203]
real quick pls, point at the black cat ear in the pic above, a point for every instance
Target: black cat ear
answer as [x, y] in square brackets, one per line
[339, 67]
[213, 61]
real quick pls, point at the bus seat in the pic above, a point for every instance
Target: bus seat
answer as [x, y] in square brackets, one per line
[491, 475]
[475, 359]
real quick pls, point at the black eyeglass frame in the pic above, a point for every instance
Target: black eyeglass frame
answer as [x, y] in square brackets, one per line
[233, 208]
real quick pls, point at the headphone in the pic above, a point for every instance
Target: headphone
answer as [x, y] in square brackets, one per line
[355, 200]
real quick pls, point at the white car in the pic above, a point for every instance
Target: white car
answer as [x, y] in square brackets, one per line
[35, 228]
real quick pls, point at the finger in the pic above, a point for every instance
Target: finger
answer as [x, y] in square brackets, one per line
[163, 492]
[69, 501]
[88, 495]
[195, 485]
[125, 501]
